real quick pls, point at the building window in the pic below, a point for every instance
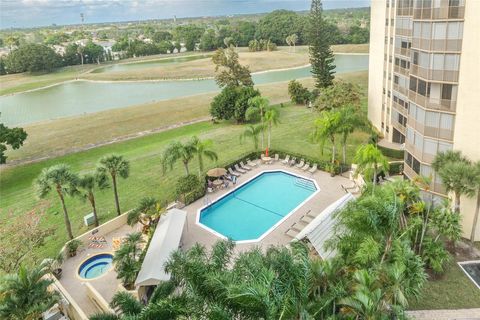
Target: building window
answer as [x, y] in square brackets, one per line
[397, 137]
[447, 91]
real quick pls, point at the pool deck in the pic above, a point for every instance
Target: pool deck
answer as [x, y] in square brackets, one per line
[330, 191]
[107, 285]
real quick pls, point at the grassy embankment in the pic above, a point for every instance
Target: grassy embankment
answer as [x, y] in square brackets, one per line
[258, 61]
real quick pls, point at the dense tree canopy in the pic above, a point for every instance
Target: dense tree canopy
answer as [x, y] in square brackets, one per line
[229, 70]
[13, 137]
[232, 103]
[32, 58]
[279, 24]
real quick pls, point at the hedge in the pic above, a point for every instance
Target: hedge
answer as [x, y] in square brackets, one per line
[392, 153]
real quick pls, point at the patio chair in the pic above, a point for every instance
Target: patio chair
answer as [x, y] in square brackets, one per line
[238, 169]
[306, 166]
[286, 160]
[277, 157]
[244, 166]
[233, 173]
[251, 163]
[292, 162]
[313, 169]
[301, 164]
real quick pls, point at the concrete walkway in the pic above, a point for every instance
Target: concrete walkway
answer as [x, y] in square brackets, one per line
[458, 314]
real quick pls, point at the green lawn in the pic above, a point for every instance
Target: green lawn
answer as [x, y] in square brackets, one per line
[452, 291]
[146, 177]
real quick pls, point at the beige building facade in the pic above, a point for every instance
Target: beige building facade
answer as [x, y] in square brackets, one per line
[424, 83]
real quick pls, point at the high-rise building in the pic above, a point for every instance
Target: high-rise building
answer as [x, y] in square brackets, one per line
[424, 83]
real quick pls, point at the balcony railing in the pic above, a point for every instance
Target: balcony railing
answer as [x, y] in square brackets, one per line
[436, 75]
[417, 153]
[400, 108]
[442, 45]
[405, 11]
[397, 125]
[444, 12]
[437, 104]
[402, 71]
[400, 89]
[403, 32]
[435, 187]
[403, 51]
[430, 132]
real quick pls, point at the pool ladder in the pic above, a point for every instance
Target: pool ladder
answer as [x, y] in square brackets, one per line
[305, 184]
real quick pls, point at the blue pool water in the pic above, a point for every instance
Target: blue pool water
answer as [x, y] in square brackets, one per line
[252, 209]
[95, 266]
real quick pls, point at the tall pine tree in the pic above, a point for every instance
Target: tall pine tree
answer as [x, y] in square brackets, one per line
[319, 40]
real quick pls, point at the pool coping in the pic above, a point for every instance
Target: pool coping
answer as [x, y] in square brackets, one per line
[77, 274]
[465, 271]
[272, 228]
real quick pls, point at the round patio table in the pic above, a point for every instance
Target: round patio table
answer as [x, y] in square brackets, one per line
[217, 183]
[267, 159]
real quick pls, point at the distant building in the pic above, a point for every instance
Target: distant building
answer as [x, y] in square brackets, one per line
[423, 89]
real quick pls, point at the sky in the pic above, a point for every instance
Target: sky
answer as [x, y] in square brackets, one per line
[32, 13]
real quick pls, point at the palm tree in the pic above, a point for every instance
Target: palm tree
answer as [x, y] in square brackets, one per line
[63, 181]
[477, 209]
[117, 167]
[256, 110]
[147, 212]
[252, 132]
[203, 148]
[326, 127]
[459, 178]
[271, 119]
[87, 185]
[126, 259]
[370, 161]
[294, 40]
[350, 120]
[178, 151]
[25, 295]
[81, 51]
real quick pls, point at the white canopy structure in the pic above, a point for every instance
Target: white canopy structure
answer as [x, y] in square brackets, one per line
[321, 229]
[165, 240]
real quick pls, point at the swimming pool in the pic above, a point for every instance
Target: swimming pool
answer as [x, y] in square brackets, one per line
[95, 266]
[252, 210]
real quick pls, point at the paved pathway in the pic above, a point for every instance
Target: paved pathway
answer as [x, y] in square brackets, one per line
[459, 314]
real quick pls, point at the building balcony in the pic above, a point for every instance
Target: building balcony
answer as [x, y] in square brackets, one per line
[435, 104]
[417, 153]
[433, 45]
[403, 32]
[405, 11]
[434, 75]
[435, 187]
[400, 108]
[430, 132]
[442, 13]
[400, 127]
[402, 71]
[400, 89]
[403, 52]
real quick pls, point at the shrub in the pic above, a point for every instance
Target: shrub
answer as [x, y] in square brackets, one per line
[298, 93]
[232, 102]
[392, 153]
[190, 188]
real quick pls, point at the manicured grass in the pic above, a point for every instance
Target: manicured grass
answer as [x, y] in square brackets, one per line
[452, 291]
[146, 177]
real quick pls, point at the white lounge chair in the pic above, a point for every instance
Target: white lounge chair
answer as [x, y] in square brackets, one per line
[313, 169]
[286, 160]
[244, 166]
[292, 162]
[251, 163]
[301, 164]
[277, 157]
[233, 173]
[238, 169]
[306, 166]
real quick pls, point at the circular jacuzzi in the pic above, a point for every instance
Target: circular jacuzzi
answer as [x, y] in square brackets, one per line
[95, 266]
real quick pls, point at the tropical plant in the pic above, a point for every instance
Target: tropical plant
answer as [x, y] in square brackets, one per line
[13, 137]
[292, 40]
[61, 179]
[26, 295]
[350, 120]
[178, 151]
[72, 247]
[256, 111]
[370, 161]
[326, 128]
[127, 259]
[339, 95]
[87, 185]
[203, 148]
[252, 132]
[298, 93]
[477, 208]
[272, 116]
[457, 175]
[146, 213]
[116, 167]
